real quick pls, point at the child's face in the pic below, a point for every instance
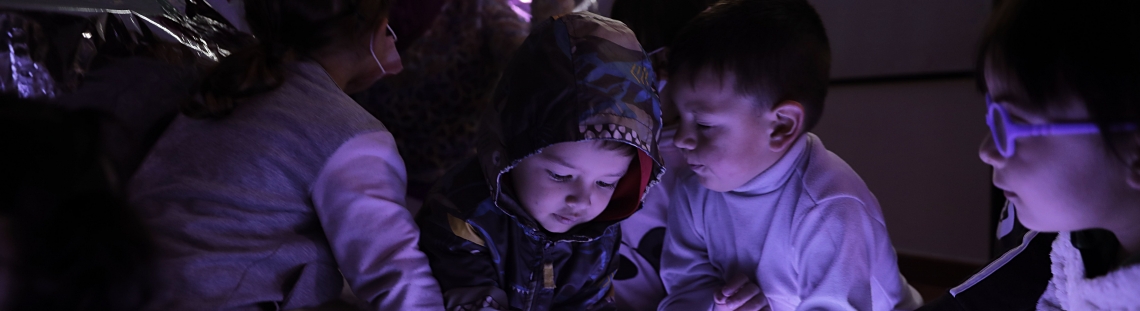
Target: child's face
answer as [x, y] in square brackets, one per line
[723, 136]
[1059, 182]
[568, 183]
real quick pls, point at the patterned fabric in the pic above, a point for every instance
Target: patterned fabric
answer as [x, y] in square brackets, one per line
[433, 105]
[578, 77]
[517, 266]
[580, 70]
[612, 131]
[637, 283]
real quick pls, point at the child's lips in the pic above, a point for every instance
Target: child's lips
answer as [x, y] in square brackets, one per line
[565, 220]
[695, 167]
[1009, 195]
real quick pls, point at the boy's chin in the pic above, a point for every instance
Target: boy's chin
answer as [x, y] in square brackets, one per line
[715, 184]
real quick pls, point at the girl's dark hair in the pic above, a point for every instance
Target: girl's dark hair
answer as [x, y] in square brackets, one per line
[285, 30]
[1058, 49]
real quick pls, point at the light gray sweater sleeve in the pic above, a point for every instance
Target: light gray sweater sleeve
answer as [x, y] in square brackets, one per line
[359, 197]
[833, 245]
[689, 277]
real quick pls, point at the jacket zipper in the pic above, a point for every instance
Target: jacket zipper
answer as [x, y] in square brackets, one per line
[547, 275]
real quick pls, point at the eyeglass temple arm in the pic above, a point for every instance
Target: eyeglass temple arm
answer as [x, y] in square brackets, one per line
[1065, 129]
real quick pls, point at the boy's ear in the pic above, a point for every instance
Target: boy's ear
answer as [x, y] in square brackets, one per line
[787, 126]
[1133, 158]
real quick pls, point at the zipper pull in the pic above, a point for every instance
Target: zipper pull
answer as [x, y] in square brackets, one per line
[548, 275]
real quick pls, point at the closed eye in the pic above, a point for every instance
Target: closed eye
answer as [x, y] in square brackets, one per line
[557, 177]
[1016, 119]
[1018, 116]
[607, 185]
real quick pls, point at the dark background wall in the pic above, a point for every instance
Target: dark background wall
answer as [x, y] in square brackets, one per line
[905, 113]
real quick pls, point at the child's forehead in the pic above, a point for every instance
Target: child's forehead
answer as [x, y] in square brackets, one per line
[708, 82]
[722, 78]
[709, 88]
[573, 149]
[588, 155]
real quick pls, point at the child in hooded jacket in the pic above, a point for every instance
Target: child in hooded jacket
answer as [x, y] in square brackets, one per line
[567, 150]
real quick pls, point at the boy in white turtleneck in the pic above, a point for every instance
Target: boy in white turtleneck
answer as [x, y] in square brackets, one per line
[768, 218]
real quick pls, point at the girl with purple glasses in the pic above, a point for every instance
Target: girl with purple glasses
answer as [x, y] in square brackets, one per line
[1063, 93]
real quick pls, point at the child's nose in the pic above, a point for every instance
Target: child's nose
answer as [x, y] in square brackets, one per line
[578, 197]
[684, 139]
[989, 154]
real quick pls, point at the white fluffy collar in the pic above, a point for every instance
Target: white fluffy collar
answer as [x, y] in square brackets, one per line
[1070, 290]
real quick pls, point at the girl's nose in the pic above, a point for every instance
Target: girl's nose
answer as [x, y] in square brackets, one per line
[989, 154]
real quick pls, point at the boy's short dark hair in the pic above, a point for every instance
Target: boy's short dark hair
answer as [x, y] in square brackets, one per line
[1054, 49]
[776, 49]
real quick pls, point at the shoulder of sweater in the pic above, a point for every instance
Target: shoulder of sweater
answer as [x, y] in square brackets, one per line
[825, 176]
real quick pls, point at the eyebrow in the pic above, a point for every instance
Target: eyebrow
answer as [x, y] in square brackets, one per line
[558, 160]
[616, 174]
[697, 106]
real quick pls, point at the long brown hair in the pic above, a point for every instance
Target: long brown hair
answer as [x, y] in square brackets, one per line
[285, 30]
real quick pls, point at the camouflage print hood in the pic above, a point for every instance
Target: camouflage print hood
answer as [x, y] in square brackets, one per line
[577, 77]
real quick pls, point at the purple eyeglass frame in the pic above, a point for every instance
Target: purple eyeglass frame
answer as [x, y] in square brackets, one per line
[1015, 130]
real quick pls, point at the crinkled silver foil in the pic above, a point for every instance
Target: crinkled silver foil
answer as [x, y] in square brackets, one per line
[38, 65]
[21, 69]
[198, 26]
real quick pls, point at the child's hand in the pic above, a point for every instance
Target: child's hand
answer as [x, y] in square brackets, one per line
[740, 294]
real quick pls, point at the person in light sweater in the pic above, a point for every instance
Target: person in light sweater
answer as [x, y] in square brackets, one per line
[768, 218]
[275, 183]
